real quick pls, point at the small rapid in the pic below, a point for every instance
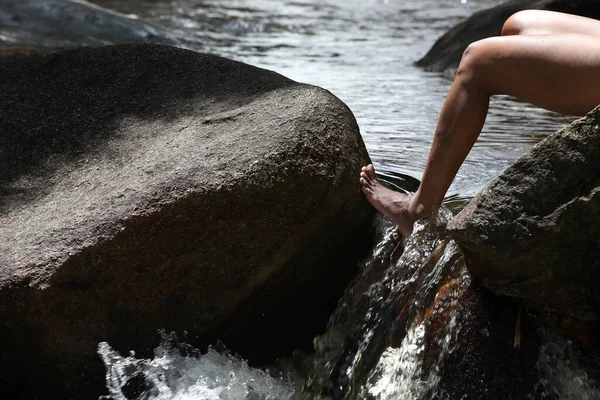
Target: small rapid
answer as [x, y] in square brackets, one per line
[384, 306]
[352, 358]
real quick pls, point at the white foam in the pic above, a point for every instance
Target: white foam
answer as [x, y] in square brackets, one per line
[171, 376]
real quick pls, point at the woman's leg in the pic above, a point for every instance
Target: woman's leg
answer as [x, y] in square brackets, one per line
[539, 22]
[557, 72]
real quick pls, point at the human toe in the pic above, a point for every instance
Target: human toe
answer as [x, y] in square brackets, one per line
[370, 171]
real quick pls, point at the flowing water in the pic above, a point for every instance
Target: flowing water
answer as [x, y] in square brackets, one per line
[363, 51]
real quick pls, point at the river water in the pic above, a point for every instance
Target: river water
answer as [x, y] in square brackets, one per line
[361, 50]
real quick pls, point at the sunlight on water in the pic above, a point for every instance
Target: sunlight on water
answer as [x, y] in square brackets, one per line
[399, 373]
[171, 376]
[399, 370]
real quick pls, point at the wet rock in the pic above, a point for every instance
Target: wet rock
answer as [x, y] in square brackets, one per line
[419, 327]
[448, 49]
[477, 345]
[146, 187]
[469, 344]
[136, 387]
[52, 25]
[532, 233]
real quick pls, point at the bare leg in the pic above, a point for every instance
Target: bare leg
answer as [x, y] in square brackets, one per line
[558, 72]
[539, 22]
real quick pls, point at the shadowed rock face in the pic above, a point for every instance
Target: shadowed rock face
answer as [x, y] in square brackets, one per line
[146, 187]
[532, 233]
[470, 345]
[448, 49]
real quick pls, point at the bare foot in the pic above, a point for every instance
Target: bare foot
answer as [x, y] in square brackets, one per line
[393, 205]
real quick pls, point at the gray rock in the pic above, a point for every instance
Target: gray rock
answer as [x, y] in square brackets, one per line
[532, 233]
[52, 25]
[146, 187]
[448, 49]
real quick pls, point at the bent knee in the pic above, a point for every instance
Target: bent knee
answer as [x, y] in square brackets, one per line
[521, 22]
[478, 67]
[475, 59]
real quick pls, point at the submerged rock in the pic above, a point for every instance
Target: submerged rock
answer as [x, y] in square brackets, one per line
[52, 25]
[532, 233]
[448, 49]
[146, 187]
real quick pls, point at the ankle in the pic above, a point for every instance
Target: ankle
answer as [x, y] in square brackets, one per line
[417, 208]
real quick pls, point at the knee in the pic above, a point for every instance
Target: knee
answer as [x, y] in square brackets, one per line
[476, 69]
[519, 22]
[473, 61]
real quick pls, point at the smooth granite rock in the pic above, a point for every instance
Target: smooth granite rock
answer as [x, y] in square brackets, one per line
[145, 187]
[533, 233]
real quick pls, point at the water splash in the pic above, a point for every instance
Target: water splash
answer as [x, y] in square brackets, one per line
[391, 337]
[562, 375]
[214, 375]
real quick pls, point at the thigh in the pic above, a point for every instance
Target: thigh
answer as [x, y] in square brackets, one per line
[535, 22]
[557, 72]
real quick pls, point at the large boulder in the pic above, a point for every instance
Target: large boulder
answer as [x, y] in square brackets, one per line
[533, 233]
[448, 49]
[146, 187]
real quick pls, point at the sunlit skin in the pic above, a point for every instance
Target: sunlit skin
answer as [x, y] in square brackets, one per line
[549, 59]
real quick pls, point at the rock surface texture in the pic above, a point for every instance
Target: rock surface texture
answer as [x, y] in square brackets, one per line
[146, 187]
[533, 233]
[448, 49]
[469, 336]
